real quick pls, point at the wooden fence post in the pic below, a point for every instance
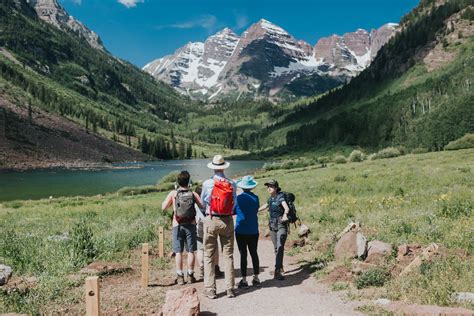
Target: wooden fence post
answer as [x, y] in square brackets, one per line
[145, 267]
[161, 235]
[92, 296]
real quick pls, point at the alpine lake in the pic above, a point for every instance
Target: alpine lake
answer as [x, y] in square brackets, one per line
[45, 183]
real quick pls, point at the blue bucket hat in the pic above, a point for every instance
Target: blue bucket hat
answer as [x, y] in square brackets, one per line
[247, 183]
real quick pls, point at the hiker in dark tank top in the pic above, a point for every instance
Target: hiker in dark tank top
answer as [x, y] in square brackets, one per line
[278, 224]
[246, 229]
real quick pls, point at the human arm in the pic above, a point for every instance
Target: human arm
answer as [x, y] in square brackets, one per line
[198, 200]
[286, 210]
[168, 201]
[264, 207]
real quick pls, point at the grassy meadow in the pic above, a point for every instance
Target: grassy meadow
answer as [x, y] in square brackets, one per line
[415, 199]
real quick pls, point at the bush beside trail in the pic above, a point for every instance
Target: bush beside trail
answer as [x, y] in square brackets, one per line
[465, 142]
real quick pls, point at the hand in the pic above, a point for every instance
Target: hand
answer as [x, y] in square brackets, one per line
[284, 218]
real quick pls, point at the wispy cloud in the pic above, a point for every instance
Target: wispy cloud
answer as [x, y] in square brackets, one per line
[241, 21]
[208, 22]
[129, 3]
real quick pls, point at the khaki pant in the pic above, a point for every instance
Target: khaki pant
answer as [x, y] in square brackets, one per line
[222, 228]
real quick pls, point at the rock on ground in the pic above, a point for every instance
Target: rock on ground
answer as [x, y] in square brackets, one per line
[183, 302]
[5, 273]
[378, 251]
[351, 245]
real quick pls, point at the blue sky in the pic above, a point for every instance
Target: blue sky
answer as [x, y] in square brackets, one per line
[142, 30]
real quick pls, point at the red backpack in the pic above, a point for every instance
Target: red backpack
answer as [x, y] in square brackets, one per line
[222, 197]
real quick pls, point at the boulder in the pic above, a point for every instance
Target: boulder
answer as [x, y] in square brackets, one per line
[5, 273]
[183, 302]
[378, 251]
[303, 231]
[426, 254]
[351, 245]
[464, 297]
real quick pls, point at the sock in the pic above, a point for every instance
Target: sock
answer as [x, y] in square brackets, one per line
[179, 272]
[190, 272]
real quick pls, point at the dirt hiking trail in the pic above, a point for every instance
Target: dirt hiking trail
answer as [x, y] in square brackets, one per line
[298, 294]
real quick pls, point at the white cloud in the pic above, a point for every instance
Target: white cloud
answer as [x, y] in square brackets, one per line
[129, 3]
[241, 21]
[208, 22]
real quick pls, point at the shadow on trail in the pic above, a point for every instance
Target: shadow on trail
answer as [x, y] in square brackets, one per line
[293, 277]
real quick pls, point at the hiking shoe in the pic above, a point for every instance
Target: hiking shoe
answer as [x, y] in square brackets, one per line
[278, 276]
[218, 272]
[231, 293]
[180, 279]
[243, 285]
[210, 294]
[191, 278]
[256, 281]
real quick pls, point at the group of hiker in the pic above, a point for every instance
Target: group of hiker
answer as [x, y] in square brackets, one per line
[204, 218]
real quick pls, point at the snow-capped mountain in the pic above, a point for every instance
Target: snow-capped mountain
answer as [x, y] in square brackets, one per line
[53, 13]
[266, 61]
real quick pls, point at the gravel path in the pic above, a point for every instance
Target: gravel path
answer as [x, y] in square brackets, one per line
[299, 294]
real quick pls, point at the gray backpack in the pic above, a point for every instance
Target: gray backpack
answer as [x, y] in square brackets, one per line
[185, 212]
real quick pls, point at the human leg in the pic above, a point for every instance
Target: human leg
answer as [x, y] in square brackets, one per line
[210, 248]
[242, 245]
[178, 247]
[226, 236]
[252, 245]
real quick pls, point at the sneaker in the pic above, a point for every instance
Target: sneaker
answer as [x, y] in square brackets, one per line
[278, 276]
[210, 294]
[243, 285]
[256, 281]
[180, 279]
[218, 272]
[191, 278]
[230, 293]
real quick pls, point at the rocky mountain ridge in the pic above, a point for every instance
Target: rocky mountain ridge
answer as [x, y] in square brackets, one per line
[266, 61]
[53, 13]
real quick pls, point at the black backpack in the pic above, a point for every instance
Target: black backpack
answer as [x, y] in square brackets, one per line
[290, 200]
[185, 212]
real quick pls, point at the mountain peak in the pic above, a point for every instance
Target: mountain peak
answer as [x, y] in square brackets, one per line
[271, 27]
[50, 11]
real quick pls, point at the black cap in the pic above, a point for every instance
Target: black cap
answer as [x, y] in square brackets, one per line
[272, 183]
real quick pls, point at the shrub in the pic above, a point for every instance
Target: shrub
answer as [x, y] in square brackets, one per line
[372, 277]
[340, 159]
[323, 159]
[389, 152]
[419, 150]
[340, 178]
[467, 141]
[83, 246]
[455, 207]
[356, 156]
[169, 178]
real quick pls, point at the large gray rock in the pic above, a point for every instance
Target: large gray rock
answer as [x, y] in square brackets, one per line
[351, 245]
[464, 297]
[5, 273]
[378, 251]
[184, 302]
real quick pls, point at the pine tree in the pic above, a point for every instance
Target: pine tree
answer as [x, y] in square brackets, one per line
[181, 150]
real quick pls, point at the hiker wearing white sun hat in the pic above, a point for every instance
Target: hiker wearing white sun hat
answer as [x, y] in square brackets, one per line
[218, 195]
[218, 163]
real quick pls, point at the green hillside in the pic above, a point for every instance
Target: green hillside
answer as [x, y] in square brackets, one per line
[417, 92]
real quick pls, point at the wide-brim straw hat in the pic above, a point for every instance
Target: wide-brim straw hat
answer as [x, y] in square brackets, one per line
[218, 163]
[247, 183]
